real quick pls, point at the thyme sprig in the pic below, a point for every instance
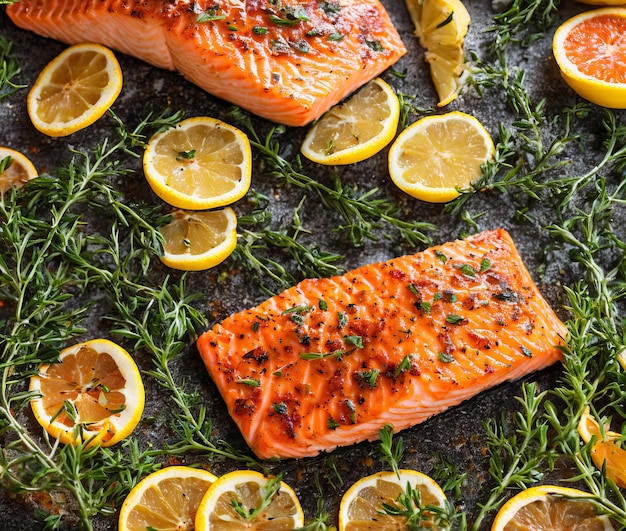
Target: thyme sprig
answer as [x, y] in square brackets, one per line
[523, 22]
[42, 238]
[391, 453]
[418, 516]
[9, 69]
[49, 256]
[362, 212]
[519, 450]
[257, 240]
[528, 155]
[268, 491]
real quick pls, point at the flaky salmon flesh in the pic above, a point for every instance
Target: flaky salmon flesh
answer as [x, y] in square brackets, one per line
[331, 361]
[285, 60]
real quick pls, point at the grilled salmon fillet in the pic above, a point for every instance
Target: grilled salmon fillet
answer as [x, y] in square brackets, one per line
[285, 60]
[330, 361]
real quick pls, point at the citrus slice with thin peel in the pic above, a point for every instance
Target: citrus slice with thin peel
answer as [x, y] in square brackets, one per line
[74, 89]
[606, 451]
[441, 26]
[201, 163]
[447, 70]
[602, 2]
[590, 50]
[365, 503]
[439, 22]
[548, 508]
[94, 393]
[194, 241]
[436, 156]
[356, 129]
[15, 169]
[589, 427]
[166, 500]
[245, 499]
[610, 457]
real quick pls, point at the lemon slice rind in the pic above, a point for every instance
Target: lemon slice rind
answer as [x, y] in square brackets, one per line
[110, 430]
[51, 97]
[355, 130]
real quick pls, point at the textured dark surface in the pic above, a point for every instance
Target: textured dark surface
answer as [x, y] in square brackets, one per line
[457, 435]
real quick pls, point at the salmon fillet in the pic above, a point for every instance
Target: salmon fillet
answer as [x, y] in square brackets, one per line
[330, 361]
[285, 60]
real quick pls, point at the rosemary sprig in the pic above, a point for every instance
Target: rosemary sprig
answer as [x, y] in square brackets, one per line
[527, 157]
[257, 239]
[268, 491]
[9, 69]
[42, 238]
[49, 256]
[362, 212]
[523, 22]
[418, 516]
[391, 453]
[519, 456]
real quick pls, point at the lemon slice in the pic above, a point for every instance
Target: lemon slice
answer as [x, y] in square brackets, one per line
[590, 50]
[606, 452]
[245, 499]
[447, 70]
[363, 504]
[96, 386]
[357, 129]
[588, 427]
[166, 500]
[201, 163]
[74, 89]
[441, 26]
[195, 241]
[17, 169]
[439, 22]
[549, 507]
[438, 155]
[602, 2]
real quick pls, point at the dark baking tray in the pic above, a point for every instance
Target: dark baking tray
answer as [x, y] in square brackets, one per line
[456, 435]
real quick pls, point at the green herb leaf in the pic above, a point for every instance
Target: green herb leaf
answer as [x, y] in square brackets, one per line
[370, 377]
[357, 341]
[445, 358]
[252, 382]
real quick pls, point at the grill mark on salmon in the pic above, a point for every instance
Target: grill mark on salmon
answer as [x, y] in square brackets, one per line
[285, 60]
[329, 362]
